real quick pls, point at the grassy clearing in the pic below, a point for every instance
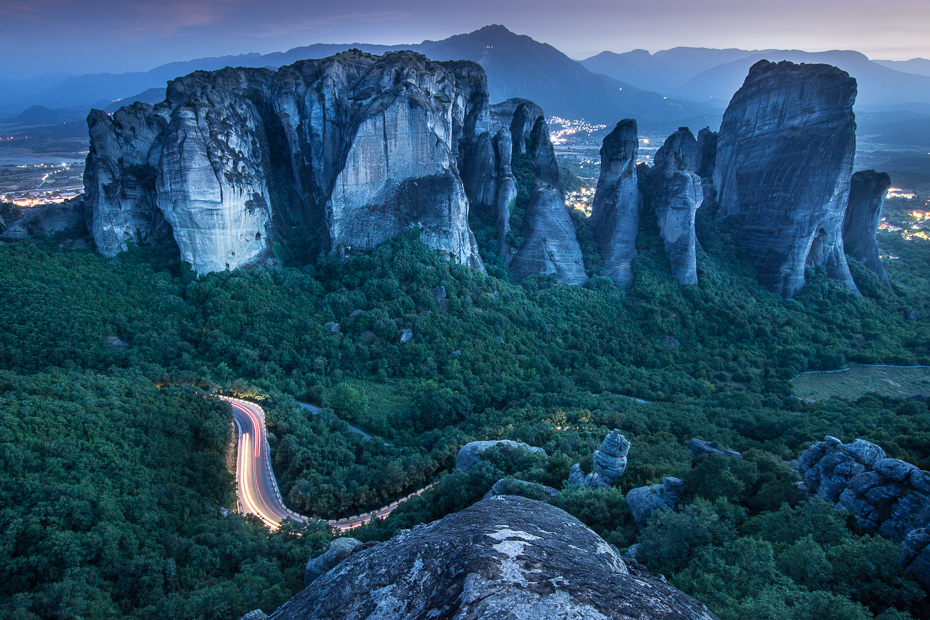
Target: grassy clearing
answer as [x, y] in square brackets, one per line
[859, 380]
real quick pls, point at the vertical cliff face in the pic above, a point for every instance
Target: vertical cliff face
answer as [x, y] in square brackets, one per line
[351, 150]
[676, 197]
[119, 178]
[615, 210]
[784, 159]
[550, 243]
[863, 213]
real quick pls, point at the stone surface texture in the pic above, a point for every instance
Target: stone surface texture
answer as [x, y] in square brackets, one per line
[616, 207]
[915, 556]
[338, 550]
[784, 161]
[676, 197]
[550, 242]
[697, 447]
[863, 214]
[609, 463]
[470, 454]
[885, 495]
[644, 501]
[245, 164]
[503, 558]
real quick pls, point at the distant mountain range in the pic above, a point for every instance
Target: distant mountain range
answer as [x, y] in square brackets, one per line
[680, 86]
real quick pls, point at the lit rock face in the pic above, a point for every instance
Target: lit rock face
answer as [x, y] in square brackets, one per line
[676, 197]
[119, 177]
[550, 243]
[615, 210]
[863, 213]
[352, 149]
[505, 557]
[784, 159]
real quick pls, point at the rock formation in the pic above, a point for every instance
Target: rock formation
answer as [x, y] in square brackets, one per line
[697, 447]
[784, 159]
[504, 557]
[676, 197]
[863, 213]
[609, 463]
[338, 550]
[550, 244]
[515, 486]
[705, 156]
[615, 210]
[470, 454]
[248, 163]
[518, 116]
[885, 495]
[915, 556]
[644, 501]
[48, 219]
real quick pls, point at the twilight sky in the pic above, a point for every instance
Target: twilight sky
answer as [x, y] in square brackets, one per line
[95, 36]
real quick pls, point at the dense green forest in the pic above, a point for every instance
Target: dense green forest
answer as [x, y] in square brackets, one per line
[113, 462]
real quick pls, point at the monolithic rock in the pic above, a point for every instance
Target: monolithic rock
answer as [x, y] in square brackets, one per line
[550, 244]
[784, 160]
[120, 176]
[609, 463]
[885, 495]
[256, 614]
[518, 116]
[507, 186]
[48, 219]
[338, 550]
[503, 558]
[676, 197]
[247, 164]
[470, 454]
[644, 501]
[863, 213]
[615, 210]
[515, 486]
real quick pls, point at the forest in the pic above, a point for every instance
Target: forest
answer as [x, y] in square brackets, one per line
[115, 483]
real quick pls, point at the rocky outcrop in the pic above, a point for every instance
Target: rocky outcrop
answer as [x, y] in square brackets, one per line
[48, 219]
[784, 160]
[550, 244]
[644, 501]
[609, 463]
[676, 197]
[915, 555]
[504, 557]
[698, 447]
[705, 156]
[518, 116]
[615, 210]
[885, 495]
[515, 486]
[863, 214]
[338, 550]
[120, 176]
[247, 164]
[256, 614]
[470, 454]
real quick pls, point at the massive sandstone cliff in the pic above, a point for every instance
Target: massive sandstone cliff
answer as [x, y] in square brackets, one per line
[504, 557]
[676, 196]
[784, 159]
[615, 210]
[246, 163]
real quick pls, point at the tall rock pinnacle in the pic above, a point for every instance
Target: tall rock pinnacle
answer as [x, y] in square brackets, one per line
[863, 213]
[784, 160]
[615, 211]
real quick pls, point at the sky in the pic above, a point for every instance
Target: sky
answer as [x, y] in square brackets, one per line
[99, 36]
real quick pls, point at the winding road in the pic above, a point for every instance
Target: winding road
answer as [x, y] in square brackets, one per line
[256, 488]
